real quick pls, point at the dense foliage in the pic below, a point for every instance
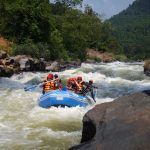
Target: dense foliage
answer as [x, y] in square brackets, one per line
[54, 30]
[132, 29]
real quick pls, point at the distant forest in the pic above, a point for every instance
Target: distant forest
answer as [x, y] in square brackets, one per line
[132, 29]
[54, 30]
[60, 31]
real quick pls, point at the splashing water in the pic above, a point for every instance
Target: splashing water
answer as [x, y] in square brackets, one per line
[24, 125]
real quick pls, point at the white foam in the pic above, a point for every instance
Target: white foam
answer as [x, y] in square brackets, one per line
[64, 114]
[104, 100]
[22, 117]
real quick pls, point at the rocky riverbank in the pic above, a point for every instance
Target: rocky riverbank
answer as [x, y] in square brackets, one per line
[123, 124]
[147, 67]
[10, 65]
[16, 64]
[100, 56]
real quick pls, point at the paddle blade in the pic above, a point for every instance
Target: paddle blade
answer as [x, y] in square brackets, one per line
[30, 88]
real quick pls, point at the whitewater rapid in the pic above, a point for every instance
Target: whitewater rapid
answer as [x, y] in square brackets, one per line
[24, 125]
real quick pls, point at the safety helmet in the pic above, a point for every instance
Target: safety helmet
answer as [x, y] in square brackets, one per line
[72, 80]
[79, 78]
[50, 76]
[56, 75]
[91, 81]
[69, 80]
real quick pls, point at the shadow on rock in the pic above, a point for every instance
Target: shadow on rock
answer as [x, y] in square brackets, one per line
[119, 125]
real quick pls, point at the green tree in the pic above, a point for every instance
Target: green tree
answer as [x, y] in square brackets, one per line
[54, 30]
[26, 19]
[58, 50]
[70, 3]
[132, 29]
[38, 50]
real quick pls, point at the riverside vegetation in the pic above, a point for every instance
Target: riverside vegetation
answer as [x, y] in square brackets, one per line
[132, 29]
[60, 31]
[54, 30]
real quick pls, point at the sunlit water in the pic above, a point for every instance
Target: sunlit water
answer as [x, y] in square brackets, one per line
[26, 126]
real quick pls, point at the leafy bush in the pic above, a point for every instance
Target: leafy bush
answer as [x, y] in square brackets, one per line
[120, 57]
[132, 29]
[54, 30]
[39, 50]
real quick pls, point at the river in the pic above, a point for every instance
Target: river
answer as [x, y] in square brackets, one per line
[26, 126]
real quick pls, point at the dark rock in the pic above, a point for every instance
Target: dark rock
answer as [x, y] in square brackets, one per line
[6, 71]
[39, 65]
[11, 65]
[1, 62]
[8, 61]
[147, 67]
[30, 64]
[123, 124]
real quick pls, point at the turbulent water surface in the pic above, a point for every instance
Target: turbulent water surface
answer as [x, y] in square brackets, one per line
[24, 125]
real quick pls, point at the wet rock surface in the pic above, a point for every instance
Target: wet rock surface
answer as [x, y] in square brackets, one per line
[123, 124]
[16, 64]
[147, 67]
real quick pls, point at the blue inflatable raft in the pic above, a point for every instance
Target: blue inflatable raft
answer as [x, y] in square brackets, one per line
[62, 98]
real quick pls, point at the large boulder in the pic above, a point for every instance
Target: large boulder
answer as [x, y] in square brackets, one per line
[147, 67]
[11, 65]
[123, 124]
[39, 65]
[54, 66]
[8, 66]
[25, 64]
[30, 64]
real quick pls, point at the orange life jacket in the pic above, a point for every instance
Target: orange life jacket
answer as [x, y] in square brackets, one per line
[79, 86]
[49, 86]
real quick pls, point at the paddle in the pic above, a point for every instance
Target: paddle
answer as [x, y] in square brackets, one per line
[32, 87]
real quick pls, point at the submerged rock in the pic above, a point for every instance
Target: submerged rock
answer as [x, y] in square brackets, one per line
[123, 124]
[59, 66]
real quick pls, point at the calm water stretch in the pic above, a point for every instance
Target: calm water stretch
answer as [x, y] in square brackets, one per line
[26, 126]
